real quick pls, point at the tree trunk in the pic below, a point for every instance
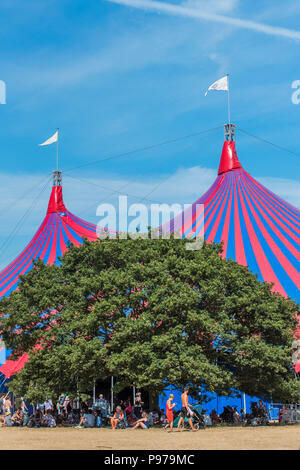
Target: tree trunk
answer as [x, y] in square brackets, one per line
[153, 400]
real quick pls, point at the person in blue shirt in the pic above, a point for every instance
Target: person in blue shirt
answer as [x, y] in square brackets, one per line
[87, 420]
[98, 420]
[142, 423]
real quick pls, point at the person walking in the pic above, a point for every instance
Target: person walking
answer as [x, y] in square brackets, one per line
[185, 410]
[169, 412]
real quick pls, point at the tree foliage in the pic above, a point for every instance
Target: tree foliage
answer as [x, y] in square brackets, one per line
[151, 313]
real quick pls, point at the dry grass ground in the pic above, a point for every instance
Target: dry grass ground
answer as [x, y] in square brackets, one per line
[226, 438]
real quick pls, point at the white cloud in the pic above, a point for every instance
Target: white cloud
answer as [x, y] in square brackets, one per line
[217, 6]
[127, 51]
[287, 189]
[196, 13]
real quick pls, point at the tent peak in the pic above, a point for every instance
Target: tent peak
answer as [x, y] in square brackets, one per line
[56, 203]
[229, 132]
[57, 178]
[229, 160]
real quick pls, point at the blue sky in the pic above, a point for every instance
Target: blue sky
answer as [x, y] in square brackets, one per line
[119, 75]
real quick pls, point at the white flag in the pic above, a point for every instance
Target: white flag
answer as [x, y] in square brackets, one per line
[221, 84]
[52, 139]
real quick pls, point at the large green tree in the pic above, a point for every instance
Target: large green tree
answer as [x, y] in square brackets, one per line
[151, 313]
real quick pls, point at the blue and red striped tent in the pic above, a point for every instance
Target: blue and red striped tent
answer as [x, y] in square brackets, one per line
[59, 228]
[257, 228]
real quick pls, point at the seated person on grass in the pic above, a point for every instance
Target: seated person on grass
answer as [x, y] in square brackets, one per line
[35, 420]
[8, 421]
[142, 423]
[151, 418]
[17, 418]
[63, 418]
[87, 420]
[214, 417]
[118, 416]
[155, 418]
[131, 417]
[90, 419]
[48, 420]
[163, 419]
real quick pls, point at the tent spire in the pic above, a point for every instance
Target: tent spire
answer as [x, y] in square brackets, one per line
[229, 132]
[229, 159]
[57, 178]
[56, 203]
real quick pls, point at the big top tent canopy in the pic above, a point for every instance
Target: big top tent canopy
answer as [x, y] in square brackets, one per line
[258, 229]
[58, 229]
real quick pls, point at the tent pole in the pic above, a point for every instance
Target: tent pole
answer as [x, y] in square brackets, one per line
[57, 166]
[244, 398]
[3, 382]
[133, 391]
[94, 392]
[112, 394]
[228, 97]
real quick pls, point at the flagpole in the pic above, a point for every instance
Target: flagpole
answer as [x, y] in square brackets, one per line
[57, 151]
[228, 95]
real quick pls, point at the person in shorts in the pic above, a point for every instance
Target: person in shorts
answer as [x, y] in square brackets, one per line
[118, 416]
[142, 423]
[185, 410]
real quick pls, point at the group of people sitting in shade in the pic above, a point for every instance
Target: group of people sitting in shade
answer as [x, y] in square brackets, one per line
[18, 412]
[97, 413]
[86, 414]
[145, 420]
[77, 413]
[133, 417]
